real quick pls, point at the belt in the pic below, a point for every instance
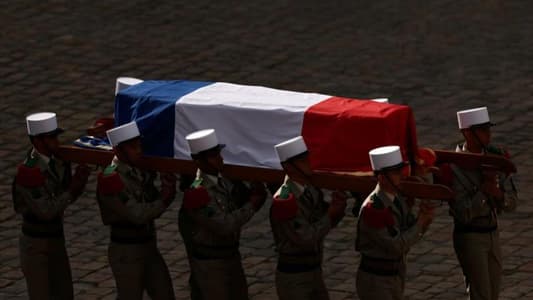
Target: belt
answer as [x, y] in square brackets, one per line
[380, 266]
[207, 252]
[34, 227]
[474, 229]
[132, 233]
[303, 258]
[296, 268]
[40, 233]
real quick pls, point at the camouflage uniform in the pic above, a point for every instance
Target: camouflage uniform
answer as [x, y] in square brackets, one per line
[40, 195]
[475, 236]
[299, 238]
[218, 209]
[386, 230]
[129, 202]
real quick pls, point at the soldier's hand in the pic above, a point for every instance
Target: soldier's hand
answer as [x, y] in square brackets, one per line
[168, 179]
[490, 185]
[337, 207]
[79, 180]
[426, 214]
[258, 195]
[168, 187]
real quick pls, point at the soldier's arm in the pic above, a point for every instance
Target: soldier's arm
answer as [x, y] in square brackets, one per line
[41, 202]
[220, 223]
[510, 193]
[304, 234]
[380, 230]
[129, 209]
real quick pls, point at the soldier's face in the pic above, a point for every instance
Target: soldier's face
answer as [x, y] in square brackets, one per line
[52, 142]
[296, 167]
[130, 150]
[46, 144]
[483, 134]
[479, 135]
[211, 161]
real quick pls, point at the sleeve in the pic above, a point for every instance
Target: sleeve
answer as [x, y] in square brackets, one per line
[510, 193]
[113, 197]
[219, 222]
[31, 191]
[305, 235]
[378, 226]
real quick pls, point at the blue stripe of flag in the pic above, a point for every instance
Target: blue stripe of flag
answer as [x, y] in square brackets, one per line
[152, 105]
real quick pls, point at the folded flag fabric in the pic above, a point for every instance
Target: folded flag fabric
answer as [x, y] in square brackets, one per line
[250, 120]
[89, 141]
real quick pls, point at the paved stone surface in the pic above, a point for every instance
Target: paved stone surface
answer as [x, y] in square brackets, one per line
[436, 56]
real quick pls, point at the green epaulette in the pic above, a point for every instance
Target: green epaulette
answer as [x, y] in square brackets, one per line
[377, 202]
[109, 170]
[495, 150]
[196, 183]
[285, 191]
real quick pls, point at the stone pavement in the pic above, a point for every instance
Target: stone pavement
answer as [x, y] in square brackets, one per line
[436, 56]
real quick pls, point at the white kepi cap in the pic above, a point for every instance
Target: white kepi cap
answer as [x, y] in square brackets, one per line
[125, 82]
[290, 148]
[202, 140]
[388, 157]
[381, 100]
[474, 116]
[123, 133]
[42, 123]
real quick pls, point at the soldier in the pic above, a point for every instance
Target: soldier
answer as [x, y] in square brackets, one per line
[217, 209]
[300, 220]
[42, 189]
[387, 229]
[129, 202]
[479, 196]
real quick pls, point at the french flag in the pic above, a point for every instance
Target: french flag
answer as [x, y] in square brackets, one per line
[250, 120]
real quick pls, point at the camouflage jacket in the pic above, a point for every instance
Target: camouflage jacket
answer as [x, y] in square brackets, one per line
[299, 228]
[128, 195]
[40, 188]
[386, 227]
[471, 206]
[217, 209]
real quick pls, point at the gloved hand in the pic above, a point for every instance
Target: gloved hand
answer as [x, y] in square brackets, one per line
[79, 180]
[337, 207]
[258, 195]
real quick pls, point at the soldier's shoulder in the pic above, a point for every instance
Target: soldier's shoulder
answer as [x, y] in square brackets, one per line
[375, 214]
[109, 181]
[498, 150]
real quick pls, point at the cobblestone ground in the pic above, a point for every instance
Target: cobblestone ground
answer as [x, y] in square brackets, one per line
[436, 56]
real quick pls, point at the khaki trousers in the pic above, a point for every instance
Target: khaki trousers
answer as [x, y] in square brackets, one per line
[46, 267]
[185, 229]
[371, 287]
[139, 267]
[302, 285]
[479, 255]
[221, 279]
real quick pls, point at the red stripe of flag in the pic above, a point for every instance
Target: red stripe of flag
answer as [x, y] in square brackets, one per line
[339, 132]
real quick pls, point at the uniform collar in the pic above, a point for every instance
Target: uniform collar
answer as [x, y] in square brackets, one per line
[296, 188]
[39, 155]
[121, 166]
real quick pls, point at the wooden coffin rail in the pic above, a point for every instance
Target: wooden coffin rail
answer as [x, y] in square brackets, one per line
[362, 184]
[475, 161]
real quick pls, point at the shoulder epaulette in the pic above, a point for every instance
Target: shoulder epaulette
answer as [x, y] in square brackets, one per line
[376, 215]
[498, 151]
[284, 209]
[29, 176]
[196, 183]
[196, 197]
[109, 182]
